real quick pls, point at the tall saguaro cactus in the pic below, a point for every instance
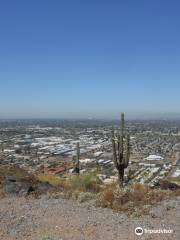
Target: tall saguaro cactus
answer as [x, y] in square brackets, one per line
[77, 158]
[121, 150]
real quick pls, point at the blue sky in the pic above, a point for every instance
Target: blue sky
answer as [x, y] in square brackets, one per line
[73, 59]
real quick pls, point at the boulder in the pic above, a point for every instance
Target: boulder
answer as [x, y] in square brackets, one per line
[17, 186]
[44, 187]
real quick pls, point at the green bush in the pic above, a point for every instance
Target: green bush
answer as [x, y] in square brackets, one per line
[87, 182]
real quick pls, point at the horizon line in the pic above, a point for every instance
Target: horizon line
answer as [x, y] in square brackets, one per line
[91, 118]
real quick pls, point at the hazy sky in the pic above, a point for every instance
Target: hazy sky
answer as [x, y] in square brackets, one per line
[94, 58]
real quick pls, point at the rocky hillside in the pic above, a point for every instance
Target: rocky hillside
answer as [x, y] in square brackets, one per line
[48, 218]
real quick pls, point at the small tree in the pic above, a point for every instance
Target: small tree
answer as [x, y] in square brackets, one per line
[18, 151]
[121, 150]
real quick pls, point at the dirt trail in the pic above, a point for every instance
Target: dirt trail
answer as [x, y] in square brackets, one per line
[59, 219]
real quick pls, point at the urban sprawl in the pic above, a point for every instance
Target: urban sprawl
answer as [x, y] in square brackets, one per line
[49, 147]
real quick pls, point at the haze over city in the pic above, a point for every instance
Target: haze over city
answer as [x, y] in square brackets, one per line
[89, 59]
[89, 119]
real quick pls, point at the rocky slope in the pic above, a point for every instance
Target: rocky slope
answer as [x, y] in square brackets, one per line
[59, 219]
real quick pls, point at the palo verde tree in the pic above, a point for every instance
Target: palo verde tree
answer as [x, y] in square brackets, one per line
[121, 150]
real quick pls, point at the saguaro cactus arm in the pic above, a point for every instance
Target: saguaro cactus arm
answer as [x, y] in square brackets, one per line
[127, 155]
[114, 153]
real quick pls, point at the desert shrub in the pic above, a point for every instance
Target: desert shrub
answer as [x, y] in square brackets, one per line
[71, 186]
[52, 179]
[138, 193]
[61, 184]
[109, 196]
[2, 194]
[86, 182]
[135, 200]
[85, 196]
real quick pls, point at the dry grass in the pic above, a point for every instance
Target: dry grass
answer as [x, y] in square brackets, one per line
[53, 180]
[73, 185]
[14, 171]
[85, 183]
[136, 198]
[2, 194]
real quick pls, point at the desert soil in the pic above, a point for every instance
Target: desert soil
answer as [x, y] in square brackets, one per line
[60, 219]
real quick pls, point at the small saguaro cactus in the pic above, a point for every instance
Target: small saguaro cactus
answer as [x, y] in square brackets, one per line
[2, 147]
[77, 158]
[121, 150]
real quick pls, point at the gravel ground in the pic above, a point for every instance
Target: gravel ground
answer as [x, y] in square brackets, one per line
[59, 219]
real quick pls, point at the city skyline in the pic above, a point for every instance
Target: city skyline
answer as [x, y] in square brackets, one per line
[67, 59]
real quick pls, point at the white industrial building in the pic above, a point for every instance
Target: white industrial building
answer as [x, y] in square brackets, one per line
[154, 158]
